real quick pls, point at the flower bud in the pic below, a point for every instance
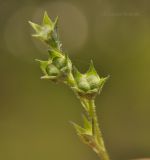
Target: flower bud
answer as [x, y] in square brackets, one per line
[46, 32]
[57, 67]
[89, 84]
[59, 62]
[52, 70]
[83, 84]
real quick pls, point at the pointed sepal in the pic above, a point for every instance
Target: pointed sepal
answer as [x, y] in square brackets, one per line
[102, 82]
[43, 65]
[91, 70]
[77, 74]
[47, 20]
[35, 26]
[53, 53]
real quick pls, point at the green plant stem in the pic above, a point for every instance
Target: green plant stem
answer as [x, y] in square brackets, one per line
[59, 68]
[101, 149]
[90, 108]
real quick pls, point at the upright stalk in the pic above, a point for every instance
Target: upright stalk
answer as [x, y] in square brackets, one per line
[101, 152]
[59, 69]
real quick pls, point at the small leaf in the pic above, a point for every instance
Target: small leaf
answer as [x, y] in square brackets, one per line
[47, 20]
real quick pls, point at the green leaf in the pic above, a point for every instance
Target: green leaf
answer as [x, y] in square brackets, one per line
[47, 20]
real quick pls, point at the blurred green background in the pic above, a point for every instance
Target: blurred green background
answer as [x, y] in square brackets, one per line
[35, 114]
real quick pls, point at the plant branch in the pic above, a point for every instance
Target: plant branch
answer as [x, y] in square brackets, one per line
[102, 152]
[58, 68]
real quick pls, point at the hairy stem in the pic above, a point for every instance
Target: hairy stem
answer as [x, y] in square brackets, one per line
[90, 108]
[101, 149]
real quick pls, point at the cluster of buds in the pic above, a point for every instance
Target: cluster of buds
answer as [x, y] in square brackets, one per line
[58, 64]
[58, 67]
[88, 84]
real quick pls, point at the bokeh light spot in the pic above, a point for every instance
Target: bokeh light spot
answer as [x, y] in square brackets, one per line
[17, 34]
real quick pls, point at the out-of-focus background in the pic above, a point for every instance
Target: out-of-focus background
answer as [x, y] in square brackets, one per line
[35, 114]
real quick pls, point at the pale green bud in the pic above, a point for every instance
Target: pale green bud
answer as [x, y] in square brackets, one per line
[89, 84]
[47, 31]
[93, 81]
[57, 67]
[83, 84]
[59, 62]
[52, 70]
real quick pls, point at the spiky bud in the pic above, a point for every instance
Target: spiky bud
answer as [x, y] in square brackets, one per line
[57, 67]
[46, 32]
[89, 84]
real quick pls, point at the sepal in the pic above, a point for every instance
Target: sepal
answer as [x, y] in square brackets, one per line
[92, 70]
[47, 20]
[35, 26]
[43, 65]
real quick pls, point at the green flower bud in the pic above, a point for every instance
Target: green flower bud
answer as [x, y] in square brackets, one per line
[57, 67]
[47, 31]
[59, 62]
[83, 84]
[93, 81]
[88, 85]
[52, 70]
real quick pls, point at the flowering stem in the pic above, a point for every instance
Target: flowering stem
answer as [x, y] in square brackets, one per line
[59, 69]
[90, 108]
